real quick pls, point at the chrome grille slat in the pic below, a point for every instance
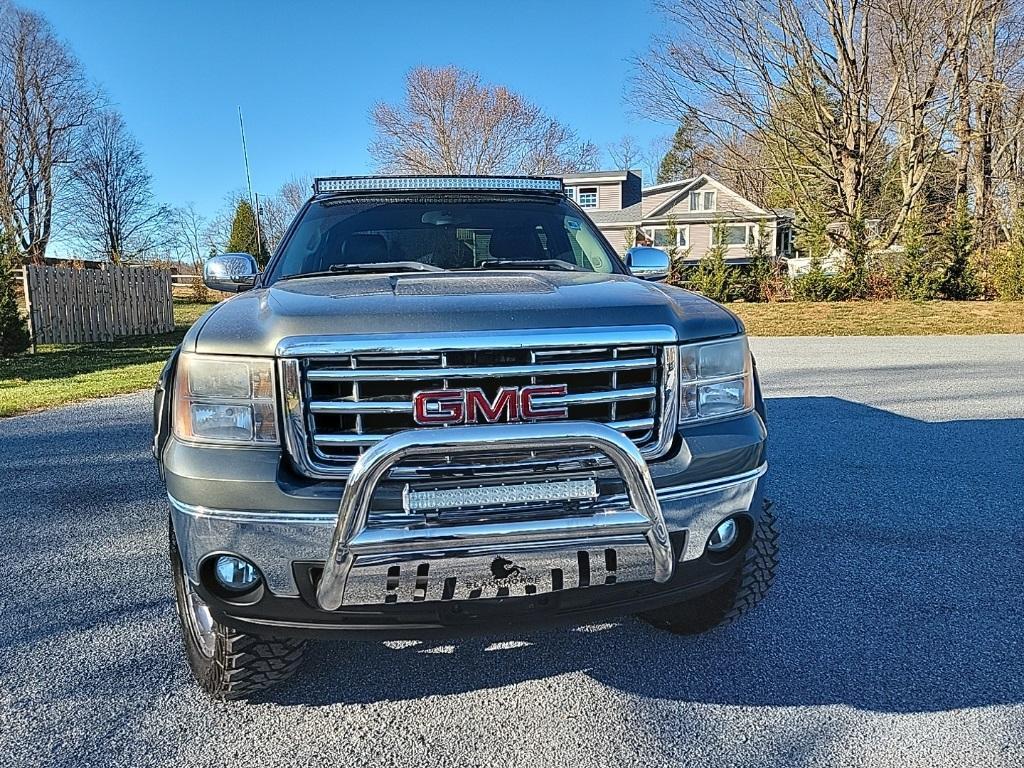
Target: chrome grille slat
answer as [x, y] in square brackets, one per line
[481, 371]
[630, 425]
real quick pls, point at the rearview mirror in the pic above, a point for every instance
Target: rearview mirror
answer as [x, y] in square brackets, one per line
[230, 272]
[648, 263]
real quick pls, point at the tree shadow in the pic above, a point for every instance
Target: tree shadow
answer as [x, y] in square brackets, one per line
[898, 589]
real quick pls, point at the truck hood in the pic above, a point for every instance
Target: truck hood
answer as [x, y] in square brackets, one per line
[253, 323]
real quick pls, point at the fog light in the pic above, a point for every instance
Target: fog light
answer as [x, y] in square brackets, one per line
[235, 574]
[724, 536]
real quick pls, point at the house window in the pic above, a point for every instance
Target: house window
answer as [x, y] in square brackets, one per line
[587, 197]
[662, 239]
[734, 234]
[570, 192]
[702, 200]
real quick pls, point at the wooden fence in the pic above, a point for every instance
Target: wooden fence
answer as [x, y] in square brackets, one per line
[75, 306]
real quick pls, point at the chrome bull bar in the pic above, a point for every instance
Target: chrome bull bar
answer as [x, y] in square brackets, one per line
[466, 548]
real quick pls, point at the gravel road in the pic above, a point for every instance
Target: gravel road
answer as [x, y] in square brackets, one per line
[894, 634]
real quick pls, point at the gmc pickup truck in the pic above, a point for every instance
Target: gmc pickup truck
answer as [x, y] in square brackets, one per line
[447, 406]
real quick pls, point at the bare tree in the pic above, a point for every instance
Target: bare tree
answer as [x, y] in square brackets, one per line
[295, 192]
[45, 105]
[275, 216]
[995, 128]
[218, 229]
[925, 47]
[188, 232]
[625, 153]
[116, 215]
[450, 122]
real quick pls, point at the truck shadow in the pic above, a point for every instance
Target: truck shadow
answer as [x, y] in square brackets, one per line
[899, 588]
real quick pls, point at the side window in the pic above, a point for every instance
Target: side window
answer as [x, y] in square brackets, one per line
[587, 197]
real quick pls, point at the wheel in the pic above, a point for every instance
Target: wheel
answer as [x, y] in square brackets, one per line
[743, 591]
[227, 664]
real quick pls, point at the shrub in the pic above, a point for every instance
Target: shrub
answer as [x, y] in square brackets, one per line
[679, 269]
[1008, 263]
[14, 336]
[1008, 272]
[200, 293]
[881, 283]
[815, 285]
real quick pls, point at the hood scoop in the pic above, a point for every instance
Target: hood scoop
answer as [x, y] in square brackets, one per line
[470, 285]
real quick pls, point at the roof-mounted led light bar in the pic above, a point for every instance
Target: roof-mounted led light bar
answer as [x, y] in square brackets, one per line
[413, 183]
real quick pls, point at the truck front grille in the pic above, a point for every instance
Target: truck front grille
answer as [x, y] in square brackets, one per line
[349, 402]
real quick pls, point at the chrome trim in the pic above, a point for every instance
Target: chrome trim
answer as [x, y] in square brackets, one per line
[360, 406]
[626, 425]
[598, 398]
[479, 371]
[403, 540]
[375, 463]
[669, 493]
[297, 433]
[620, 335]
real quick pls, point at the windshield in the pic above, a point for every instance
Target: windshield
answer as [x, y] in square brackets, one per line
[445, 233]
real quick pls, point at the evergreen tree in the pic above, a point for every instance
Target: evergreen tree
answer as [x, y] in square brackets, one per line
[758, 282]
[713, 277]
[960, 278]
[678, 163]
[14, 336]
[243, 234]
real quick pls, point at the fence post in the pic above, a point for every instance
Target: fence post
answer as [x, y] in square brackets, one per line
[28, 308]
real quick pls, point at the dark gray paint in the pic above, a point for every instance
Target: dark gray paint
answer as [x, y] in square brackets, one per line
[254, 322]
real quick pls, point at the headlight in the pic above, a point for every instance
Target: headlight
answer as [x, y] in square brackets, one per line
[716, 380]
[225, 400]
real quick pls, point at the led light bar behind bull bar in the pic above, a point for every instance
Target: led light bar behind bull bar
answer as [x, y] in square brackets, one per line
[413, 183]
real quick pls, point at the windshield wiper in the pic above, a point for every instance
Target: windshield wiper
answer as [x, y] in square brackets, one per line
[380, 266]
[387, 266]
[528, 264]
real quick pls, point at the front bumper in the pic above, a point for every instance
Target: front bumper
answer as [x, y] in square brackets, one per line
[324, 565]
[275, 540]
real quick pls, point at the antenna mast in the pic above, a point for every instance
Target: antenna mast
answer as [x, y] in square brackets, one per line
[254, 201]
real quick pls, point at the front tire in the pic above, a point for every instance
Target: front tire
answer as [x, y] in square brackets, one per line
[742, 592]
[226, 663]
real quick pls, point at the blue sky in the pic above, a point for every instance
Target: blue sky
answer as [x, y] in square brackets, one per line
[307, 73]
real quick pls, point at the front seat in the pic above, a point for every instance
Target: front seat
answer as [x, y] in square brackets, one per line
[364, 249]
[516, 244]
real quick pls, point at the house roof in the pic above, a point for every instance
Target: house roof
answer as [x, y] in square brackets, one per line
[665, 186]
[628, 215]
[680, 188]
[619, 175]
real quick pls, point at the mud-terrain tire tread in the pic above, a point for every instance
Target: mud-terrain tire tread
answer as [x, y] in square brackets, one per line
[242, 664]
[743, 592]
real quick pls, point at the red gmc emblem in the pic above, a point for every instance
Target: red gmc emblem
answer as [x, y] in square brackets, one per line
[471, 406]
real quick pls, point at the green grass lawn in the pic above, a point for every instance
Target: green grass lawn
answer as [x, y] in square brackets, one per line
[882, 318]
[59, 374]
[63, 374]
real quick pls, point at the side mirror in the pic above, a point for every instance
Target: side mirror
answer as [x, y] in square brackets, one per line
[230, 272]
[648, 263]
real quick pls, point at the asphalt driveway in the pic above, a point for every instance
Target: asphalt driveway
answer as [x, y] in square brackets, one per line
[894, 634]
